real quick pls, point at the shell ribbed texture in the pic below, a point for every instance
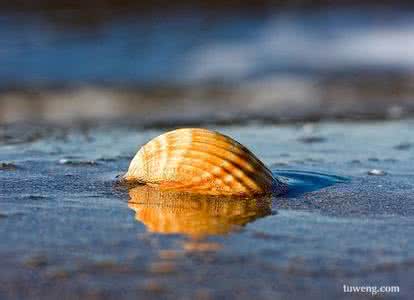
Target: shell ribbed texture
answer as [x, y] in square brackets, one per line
[200, 161]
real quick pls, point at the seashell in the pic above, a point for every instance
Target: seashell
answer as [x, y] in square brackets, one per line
[201, 161]
[170, 212]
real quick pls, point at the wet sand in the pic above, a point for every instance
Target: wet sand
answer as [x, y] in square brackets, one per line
[68, 232]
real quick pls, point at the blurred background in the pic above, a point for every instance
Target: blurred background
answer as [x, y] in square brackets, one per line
[186, 62]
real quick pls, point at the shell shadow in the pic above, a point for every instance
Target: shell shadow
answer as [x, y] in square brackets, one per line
[300, 182]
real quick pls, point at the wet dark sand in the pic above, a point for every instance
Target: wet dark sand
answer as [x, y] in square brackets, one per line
[68, 233]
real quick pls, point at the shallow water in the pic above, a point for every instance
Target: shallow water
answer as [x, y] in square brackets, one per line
[67, 230]
[188, 46]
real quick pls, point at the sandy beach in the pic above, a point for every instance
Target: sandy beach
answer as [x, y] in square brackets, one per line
[68, 232]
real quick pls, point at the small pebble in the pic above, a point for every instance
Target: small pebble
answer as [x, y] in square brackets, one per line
[65, 161]
[376, 172]
[7, 166]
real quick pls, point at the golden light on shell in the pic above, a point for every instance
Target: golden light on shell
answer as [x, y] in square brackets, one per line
[170, 212]
[201, 161]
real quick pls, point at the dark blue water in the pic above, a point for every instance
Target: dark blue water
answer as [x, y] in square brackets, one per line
[192, 46]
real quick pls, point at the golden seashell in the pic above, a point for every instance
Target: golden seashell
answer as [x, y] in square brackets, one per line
[170, 212]
[201, 161]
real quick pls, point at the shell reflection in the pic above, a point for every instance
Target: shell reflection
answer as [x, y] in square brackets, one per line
[194, 215]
